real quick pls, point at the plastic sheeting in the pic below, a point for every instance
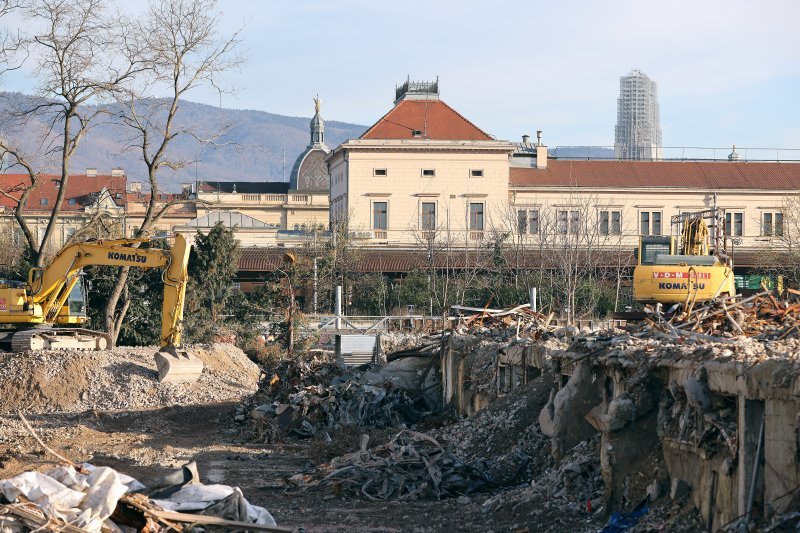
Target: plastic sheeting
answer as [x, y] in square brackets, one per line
[87, 500]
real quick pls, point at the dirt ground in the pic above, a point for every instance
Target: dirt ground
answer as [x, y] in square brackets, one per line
[143, 443]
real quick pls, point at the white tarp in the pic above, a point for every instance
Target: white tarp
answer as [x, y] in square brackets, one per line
[88, 500]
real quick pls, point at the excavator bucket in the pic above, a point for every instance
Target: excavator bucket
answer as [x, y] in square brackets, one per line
[178, 366]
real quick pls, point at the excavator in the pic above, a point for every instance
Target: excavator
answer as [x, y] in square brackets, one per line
[46, 312]
[696, 269]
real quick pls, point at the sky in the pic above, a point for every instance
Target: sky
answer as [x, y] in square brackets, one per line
[728, 72]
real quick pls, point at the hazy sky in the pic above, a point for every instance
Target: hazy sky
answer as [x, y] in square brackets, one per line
[727, 71]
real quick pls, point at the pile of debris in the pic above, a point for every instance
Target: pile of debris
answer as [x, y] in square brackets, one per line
[761, 316]
[84, 498]
[411, 465]
[498, 447]
[503, 323]
[307, 398]
[49, 381]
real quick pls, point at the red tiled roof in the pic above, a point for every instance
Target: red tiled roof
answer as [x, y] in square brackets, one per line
[439, 120]
[668, 174]
[81, 189]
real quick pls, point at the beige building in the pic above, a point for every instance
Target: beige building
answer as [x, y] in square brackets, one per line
[622, 200]
[422, 171]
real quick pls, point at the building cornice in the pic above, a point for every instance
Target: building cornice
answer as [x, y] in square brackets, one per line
[651, 189]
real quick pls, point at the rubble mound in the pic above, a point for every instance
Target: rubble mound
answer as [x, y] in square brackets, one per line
[505, 437]
[122, 378]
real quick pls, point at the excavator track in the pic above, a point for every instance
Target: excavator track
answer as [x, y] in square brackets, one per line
[60, 339]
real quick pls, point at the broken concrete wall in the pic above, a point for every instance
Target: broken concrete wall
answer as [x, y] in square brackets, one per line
[674, 418]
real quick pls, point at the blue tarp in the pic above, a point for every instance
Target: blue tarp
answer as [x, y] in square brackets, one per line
[619, 522]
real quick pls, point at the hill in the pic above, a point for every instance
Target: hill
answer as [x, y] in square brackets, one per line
[256, 146]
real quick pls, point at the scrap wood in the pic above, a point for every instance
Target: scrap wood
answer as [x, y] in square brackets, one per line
[29, 512]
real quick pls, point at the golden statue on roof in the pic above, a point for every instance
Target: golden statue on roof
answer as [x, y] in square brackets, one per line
[317, 103]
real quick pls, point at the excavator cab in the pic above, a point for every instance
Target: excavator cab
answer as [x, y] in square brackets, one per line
[653, 246]
[74, 310]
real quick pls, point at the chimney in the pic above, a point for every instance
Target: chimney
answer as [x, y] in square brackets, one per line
[117, 172]
[91, 172]
[136, 187]
[526, 139]
[541, 155]
[541, 152]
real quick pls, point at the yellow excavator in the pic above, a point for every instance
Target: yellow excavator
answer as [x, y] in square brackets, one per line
[56, 296]
[696, 269]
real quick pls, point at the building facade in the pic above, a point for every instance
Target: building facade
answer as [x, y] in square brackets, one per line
[421, 172]
[638, 131]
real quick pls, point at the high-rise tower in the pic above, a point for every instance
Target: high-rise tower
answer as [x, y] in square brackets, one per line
[638, 131]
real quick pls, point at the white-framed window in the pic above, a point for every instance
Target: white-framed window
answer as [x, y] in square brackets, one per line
[380, 215]
[427, 221]
[650, 223]
[476, 173]
[380, 172]
[428, 172]
[528, 221]
[476, 222]
[772, 223]
[568, 221]
[610, 222]
[734, 223]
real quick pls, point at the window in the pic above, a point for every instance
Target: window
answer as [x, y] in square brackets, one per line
[528, 221]
[379, 216]
[568, 221]
[650, 222]
[561, 223]
[734, 224]
[533, 221]
[428, 173]
[68, 233]
[476, 173]
[772, 224]
[428, 211]
[380, 172]
[43, 201]
[73, 201]
[522, 221]
[610, 222]
[476, 216]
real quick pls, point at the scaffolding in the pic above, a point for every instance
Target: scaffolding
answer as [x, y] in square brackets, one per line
[638, 131]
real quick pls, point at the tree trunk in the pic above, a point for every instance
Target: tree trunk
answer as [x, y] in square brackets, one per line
[111, 321]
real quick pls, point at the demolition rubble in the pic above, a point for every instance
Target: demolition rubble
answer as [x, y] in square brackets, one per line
[687, 420]
[504, 421]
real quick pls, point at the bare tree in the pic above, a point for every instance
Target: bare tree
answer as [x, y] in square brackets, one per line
[82, 58]
[182, 49]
